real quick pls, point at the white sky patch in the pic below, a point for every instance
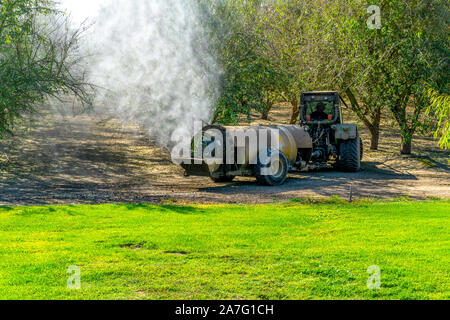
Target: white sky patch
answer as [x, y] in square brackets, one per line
[80, 10]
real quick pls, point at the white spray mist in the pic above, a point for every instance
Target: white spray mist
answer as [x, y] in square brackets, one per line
[151, 62]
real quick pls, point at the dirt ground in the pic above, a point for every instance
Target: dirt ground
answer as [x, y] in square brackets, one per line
[93, 159]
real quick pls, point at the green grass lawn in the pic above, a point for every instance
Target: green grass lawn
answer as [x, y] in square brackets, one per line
[280, 251]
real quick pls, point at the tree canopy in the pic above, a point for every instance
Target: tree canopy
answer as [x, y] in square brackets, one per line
[388, 59]
[271, 51]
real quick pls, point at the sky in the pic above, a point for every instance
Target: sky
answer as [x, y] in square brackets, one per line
[82, 9]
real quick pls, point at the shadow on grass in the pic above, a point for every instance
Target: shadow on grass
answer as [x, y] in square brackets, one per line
[371, 181]
[169, 208]
[138, 245]
[27, 212]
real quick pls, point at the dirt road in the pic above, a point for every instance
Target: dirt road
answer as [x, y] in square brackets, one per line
[91, 159]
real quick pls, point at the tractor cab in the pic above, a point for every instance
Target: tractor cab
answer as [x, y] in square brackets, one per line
[321, 114]
[320, 108]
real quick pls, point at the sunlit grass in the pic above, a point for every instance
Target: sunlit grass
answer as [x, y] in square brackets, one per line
[297, 250]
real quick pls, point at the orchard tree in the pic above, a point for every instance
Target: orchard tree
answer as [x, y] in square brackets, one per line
[281, 23]
[248, 79]
[39, 59]
[347, 56]
[295, 34]
[420, 31]
[382, 64]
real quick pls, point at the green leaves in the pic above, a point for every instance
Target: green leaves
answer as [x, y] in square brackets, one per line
[38, 56]
[440, 108]
[239, 45]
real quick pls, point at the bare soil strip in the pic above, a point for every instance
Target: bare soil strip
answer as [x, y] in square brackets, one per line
[90, 159]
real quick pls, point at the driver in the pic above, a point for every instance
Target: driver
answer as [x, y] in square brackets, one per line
[319, 114]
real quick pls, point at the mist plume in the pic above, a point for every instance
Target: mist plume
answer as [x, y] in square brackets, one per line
[151, 65]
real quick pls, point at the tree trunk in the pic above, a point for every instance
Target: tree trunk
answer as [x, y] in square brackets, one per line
[295, 111]
[374, 129]
[372, 123]
[374, 139]
[406, 147]
[265, 114]
[267, 105]
[295, 115]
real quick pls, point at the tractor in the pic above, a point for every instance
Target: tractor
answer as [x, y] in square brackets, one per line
[320, 140]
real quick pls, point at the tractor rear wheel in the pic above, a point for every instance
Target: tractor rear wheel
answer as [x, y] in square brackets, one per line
[350, 155]
[223, 179]
[274, 171]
